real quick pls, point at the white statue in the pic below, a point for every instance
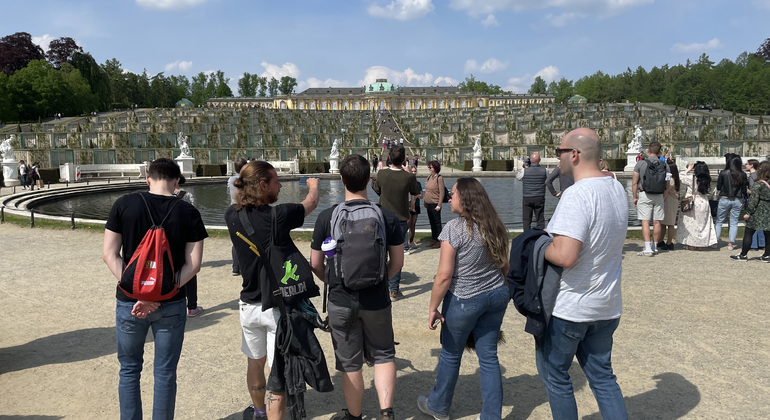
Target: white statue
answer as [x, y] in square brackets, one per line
[636, 143]
[7, 149]
[334, 153]
[183, 147]
[477, 155]
[334, 158]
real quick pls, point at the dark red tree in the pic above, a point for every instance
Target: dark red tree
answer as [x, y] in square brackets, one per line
[764, 49]
[16, 51]
[62, 50]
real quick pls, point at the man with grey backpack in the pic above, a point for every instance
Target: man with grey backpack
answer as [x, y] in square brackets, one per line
[356, 247]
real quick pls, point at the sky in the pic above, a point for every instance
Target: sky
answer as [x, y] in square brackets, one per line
[350, 43]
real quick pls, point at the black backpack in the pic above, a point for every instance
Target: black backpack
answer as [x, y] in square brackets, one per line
[654, 181]
[359, 229]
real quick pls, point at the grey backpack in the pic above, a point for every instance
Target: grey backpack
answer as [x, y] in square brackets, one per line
[359, 230]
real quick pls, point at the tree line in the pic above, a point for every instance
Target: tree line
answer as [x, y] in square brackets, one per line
[742, 85]
[36, 84]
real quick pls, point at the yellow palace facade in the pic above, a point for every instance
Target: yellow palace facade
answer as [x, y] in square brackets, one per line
[382, 95]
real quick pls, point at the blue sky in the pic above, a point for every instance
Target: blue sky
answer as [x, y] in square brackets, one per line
[411, 42]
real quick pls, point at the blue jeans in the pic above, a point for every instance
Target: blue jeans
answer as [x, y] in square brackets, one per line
[481, 316]
[734, 207]
[167, 325]
[24, 183]
[758, 240]
[592, 343]
[394, 283]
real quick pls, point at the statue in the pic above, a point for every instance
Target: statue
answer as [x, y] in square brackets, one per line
[7, 149]
[477, 155]
[334, 158]
[183, 147]
[636, 143]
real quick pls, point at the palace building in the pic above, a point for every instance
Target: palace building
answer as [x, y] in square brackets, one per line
[383, 95]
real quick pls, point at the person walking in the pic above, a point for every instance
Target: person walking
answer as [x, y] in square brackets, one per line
[758, 240]
[434, 199]
[731, 184]
[670, 208]
[588, 228]
[470, 287]
[23, 174]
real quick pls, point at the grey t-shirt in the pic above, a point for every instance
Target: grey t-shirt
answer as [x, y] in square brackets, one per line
[475, 271]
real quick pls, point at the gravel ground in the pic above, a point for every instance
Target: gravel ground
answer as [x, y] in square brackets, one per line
[692, 343]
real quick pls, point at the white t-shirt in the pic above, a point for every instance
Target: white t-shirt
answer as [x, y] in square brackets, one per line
[595, 212]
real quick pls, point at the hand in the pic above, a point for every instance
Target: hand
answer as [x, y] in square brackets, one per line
[690, 166]
[746, 217]
[142, 308]
[438, 208]
[434, 316]
[312, 183]
[558, 194]
[411, 207]
[636, 199]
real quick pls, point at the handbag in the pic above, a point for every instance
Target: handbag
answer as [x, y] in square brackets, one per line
[688, 203]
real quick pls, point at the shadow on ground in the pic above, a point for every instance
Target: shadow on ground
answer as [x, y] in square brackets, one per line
[88, 343]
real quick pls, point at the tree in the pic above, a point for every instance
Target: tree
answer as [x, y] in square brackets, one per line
[117, 78]
[16, 51]
[287, 85]
[539, 86]
[764, 50]
[247, 85]
[96, 77]
[470, 84]
[62, 50]
[262, 82]
[562, 90]
[39, 90]
[222, 90]
[198, 89]
[272, 86]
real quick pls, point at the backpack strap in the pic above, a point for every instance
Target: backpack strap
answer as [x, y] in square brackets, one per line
[149, 213]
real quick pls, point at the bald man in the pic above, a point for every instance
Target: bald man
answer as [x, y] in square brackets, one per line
[589, 229]
[533, 192]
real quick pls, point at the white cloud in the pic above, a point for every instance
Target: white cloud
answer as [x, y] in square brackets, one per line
[42, 41]
[697, 47]
[168, 4]
[446, 81]
[402, 9]
[549, 74]
[569, 9]
[491, 20]
[492, 65]
[408, 77]
[180, 65]
[523, 83]
[273, 70]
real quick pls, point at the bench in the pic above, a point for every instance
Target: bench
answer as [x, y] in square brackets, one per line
[108, 170]
[290, 166]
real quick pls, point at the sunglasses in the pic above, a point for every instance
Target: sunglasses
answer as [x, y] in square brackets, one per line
[559, 151]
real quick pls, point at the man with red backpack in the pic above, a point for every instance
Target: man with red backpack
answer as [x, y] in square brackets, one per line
[133, 219]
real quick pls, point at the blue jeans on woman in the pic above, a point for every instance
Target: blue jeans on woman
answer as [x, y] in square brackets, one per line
[734, 207]
[591, 342]
[167, 324]
[482, 316]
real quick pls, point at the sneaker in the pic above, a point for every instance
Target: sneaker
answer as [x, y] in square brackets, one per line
[236, 273]
[655, 251]
[730, 247]
[739, 257]
[646, 254]
[660, 245]
[250, 414]
[412, 245]
[394, 296]
[765, 258]
[386, 415]
[194, 312]
[344, 415]
[422, 405]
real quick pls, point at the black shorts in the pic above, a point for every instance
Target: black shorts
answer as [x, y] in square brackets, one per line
[370, 335]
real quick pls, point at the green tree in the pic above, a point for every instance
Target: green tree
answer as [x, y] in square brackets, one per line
[198, 89]
[561, 90]
[117, 78]
[272, 86]
[96, 77]
[287, 85]
[470, 84]
[222, 89]
[262, 83]
[247, 85]
[39, 90]
[539, 86]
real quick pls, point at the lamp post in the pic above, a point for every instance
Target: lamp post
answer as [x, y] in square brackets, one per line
[343, 131]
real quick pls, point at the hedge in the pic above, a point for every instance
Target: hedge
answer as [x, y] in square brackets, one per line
[313, 167]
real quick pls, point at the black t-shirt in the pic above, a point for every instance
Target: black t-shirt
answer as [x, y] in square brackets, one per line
[370, 299]
[129, 218]
[288, 216]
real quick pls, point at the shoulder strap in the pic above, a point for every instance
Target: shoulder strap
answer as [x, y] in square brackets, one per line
[765, 182]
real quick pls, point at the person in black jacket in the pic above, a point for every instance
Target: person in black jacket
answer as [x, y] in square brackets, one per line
[731, 184]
